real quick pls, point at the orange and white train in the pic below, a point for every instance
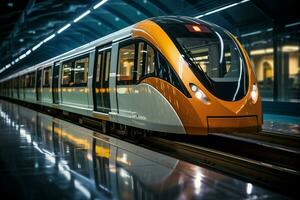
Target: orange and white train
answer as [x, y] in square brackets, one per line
[176, 75]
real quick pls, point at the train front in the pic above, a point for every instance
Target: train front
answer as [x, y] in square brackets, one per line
[216, 71]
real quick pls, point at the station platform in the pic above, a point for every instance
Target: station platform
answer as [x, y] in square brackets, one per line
[46, 158]
[282, 124]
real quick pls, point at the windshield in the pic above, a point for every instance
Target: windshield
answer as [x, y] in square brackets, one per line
[213, 56]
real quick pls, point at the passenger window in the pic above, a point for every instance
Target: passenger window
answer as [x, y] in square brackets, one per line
[99, 59]
[30, 80]
[150, 60]
[126, 63]
[46, 79]
[32, 83]
[107, 65]
[67, 73]
[22, 82]
[165, 72]
[140, 63]
[27, 81]
[81, 70]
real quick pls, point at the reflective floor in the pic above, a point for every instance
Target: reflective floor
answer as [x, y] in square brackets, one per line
[45, 158]
[282, 124]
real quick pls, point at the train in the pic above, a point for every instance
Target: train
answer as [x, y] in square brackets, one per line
[168, 74]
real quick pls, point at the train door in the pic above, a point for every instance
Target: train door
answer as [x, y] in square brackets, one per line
[55, 81]
[38, 84]
[126, 68]
[17, 86]
[101, 80]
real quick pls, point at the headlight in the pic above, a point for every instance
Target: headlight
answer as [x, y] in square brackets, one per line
[254, 93]
[199, 94]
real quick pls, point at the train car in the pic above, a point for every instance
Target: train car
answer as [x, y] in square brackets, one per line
[176, 75]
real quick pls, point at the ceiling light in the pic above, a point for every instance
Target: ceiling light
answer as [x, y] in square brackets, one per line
[49, 38]
[293, 24]
[99, 4]
[222, 8]
[37, 46]
[261, 51]
[290, 48]
[22, 56]
[28, 52]
[252, 33]
[63, 28]
[82, 16]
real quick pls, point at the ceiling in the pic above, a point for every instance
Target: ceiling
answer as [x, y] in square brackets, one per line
[26, 24]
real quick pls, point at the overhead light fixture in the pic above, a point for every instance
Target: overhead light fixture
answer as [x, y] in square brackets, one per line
[82, 16]
[37, 46]
[223, 8]
[292, 24]
[7, 66]
[252, 33]
[99, 4]
[17, 60]
[290, 48]
[63, 28]
[49, 38]
[28, 52]
[22, 56]
[269, 29]
[261, 51]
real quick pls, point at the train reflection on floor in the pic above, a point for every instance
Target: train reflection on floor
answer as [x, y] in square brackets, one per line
[53, 159]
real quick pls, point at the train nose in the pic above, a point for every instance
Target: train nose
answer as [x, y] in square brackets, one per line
[232, 124]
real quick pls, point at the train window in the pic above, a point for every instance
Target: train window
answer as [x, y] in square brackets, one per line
[107, 65]
[26, 79]
[150, 60]
[140, 63]
[126, 63]
[81, 70]
[21, 82]
[67, 73]
[46, 79]
[99, 59]
[165, 72]
[32, 79]
[16, 81]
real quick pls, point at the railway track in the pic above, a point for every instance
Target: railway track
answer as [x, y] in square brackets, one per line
[279, 139]
[272, 176]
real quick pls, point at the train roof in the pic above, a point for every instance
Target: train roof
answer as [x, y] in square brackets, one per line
[118, 35]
